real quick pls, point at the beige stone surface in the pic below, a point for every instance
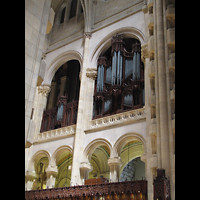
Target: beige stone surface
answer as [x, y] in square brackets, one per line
[84, 38]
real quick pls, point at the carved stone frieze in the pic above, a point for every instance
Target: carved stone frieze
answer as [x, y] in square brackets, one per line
[91, 73]
[129, 116]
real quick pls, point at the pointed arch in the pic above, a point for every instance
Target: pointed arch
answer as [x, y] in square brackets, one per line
[57, 153]
[58, 61]
[90, 148]
[124, 139]
[36, 157]
[105, 43]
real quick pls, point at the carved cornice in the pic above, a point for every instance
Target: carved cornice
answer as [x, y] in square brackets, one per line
[91, 73]
[55, 134]
[112, 120]
[44, 89]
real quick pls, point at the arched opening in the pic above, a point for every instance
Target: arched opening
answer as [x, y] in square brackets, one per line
[99, 162]
[62, 102]
[40, 170]
[97, 153]
[119, 85]
[133, 168]
[64, 164]
[73, 9]
[62, 15]
[39, 164]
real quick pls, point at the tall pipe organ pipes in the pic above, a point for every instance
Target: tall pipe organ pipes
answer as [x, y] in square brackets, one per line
[134, 66]
[114, 59]
[119, 85]
[138, 66]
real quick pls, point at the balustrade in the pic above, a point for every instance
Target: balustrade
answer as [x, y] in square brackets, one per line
[129, 189]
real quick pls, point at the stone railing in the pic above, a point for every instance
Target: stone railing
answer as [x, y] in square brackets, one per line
[123, 117]
[136, 188]
[55, 134]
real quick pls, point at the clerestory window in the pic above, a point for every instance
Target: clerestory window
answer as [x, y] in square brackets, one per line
[119, 85]
[73, 9]
[62, 15]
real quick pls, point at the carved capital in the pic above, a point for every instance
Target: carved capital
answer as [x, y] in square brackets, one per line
[43, 55]
[116, 161]
[88, 35]
[91, 73]
[144, 52]
[44, 89]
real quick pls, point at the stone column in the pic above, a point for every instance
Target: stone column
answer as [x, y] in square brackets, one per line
[29, 177]
[91, 73]
[51, 176]
[81, 121]
[114, 164]
[164, 136]
[52, 95]
[85, 168]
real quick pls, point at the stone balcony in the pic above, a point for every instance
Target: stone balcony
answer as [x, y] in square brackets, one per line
[55, 134]
[121, 118]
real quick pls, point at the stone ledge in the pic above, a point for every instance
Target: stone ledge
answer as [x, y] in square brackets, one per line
[55, 134]
[118, 119]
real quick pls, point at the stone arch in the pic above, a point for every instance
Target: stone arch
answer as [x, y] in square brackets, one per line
[105, 43]
[60, 159]
[36, 157]
[58, 152]
[124, 139]
[90, 148]
[57, 62]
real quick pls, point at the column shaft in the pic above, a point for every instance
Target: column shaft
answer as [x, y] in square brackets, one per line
[162, 89]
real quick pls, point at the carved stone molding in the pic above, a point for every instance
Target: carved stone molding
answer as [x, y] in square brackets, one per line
[88, 35]
[44, 89]
[91, 73]
[55, 134]
[144, 52]
[112, 120]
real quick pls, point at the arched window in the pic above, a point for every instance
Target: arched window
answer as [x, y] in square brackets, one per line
[62, 15]
[120, 79]
[62, 102]
[73, 9]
